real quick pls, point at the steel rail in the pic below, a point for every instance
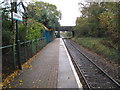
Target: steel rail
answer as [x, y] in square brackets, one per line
[96, 65]
[79, 70]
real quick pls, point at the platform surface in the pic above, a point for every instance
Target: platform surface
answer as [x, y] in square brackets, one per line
[51, 68]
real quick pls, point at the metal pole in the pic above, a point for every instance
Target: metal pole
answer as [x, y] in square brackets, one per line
[17, 41]
[72, 33]
[36, 45]
[31, 48]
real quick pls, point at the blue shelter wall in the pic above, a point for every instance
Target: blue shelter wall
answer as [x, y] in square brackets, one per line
[47, 36]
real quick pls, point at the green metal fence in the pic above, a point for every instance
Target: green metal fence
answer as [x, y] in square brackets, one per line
[27, 50]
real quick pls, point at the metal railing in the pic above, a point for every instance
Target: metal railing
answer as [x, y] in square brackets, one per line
[27, 50]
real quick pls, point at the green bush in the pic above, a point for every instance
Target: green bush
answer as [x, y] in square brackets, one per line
[94, 45]
[32, 31]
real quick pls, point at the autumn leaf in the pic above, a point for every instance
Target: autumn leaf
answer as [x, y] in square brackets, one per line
[10, 87]
[34, 86]
[20, 81]
[39, 80]
[68, 77]
[1, 85]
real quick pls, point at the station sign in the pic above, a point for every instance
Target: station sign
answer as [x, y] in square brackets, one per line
[17, 17]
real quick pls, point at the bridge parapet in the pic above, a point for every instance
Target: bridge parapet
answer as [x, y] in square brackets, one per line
[66, 28]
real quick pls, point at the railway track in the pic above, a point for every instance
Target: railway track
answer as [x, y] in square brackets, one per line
[92, 75]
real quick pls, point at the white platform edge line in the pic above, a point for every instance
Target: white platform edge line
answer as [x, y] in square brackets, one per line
[73, 68]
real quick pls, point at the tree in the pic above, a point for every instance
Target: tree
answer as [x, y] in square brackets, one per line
[40, 15]
[7, 33]
[100, 19]
[45, 13]
[107, 21]
[34, 30]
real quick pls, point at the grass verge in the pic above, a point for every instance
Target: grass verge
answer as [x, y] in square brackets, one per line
[94, 45]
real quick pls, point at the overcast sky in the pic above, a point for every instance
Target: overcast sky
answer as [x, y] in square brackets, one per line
[69, 10]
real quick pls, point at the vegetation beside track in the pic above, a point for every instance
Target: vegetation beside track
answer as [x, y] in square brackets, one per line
[100, 21]
[96, 45]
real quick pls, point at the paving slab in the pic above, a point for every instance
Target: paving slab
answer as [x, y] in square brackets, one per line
[66, 78]
[49, 69]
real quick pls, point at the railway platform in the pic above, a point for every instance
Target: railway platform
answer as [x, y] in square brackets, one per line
[51, 68]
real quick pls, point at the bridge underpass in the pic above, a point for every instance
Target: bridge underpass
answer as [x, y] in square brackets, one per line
[69, 29]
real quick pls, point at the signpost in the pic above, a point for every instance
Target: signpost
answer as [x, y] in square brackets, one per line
[17, 17]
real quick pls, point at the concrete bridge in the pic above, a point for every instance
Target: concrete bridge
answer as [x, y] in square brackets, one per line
[66, 28]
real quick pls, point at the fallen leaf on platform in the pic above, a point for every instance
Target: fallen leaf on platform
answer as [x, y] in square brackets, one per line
[7, 81]
[34, 86]
[98, 87]
[20, 81]
[1, 85]
[68, 77]
[10, 87]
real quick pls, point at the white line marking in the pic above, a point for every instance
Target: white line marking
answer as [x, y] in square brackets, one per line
[73, 68]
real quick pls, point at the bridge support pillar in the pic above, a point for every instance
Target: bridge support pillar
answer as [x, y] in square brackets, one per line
[73, 33]
[58, 34]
